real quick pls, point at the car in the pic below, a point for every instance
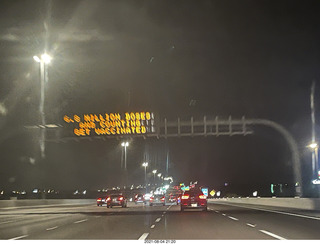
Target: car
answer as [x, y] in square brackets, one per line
[195, 199]
[147, 197]
[138, 198]
[174, 199]
[157, 199]
[101, 201]
[116, 200]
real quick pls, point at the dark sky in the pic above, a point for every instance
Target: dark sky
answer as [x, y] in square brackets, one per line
[251, 58]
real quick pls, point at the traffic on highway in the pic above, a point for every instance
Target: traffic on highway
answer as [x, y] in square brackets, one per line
[159, 120]
[221, 221]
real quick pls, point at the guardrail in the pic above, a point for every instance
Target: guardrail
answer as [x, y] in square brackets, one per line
[294, 203]
[44, 202]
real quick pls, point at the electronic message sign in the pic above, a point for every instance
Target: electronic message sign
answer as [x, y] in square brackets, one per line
[112, 124]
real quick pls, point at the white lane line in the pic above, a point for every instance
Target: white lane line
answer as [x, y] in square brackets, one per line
[80, 221]
[271, 234]
[158, 220]
[144, 236]
[278, 212]
[217, 211]
[233, 218]
[152, 226]
[251, 225]
[224, 214]
[7, 222]
[52, 228]
[17, 238]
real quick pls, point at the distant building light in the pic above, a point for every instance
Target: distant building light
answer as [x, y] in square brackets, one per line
[35, 191]
[316, 182]
[255, 193]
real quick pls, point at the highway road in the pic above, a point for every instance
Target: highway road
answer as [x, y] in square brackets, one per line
[222, 221]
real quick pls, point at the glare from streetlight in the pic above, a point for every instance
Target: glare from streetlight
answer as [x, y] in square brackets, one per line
[159, 174]
[145, 164]
[154, 171]
[125, 144]
[313, 145]
[37, 59]
[46, 58]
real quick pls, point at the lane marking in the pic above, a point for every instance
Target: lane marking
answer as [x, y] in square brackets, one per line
[224, 214]
[52, 228]
[251, 225]
[17, 238]
[144, 236]
[271, 234]
[80, 221]
[7, 222]
[233, 218]
[152, 226]
[158, 220]
[279, 212]
[217, 211]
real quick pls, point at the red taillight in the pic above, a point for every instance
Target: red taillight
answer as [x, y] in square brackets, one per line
[186, 196]
[108, 199]
[99, 199]
[120, 198]
[202, 196]
[162, 199]
[151, 199]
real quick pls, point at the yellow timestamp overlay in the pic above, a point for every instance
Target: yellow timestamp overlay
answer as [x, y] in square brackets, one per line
[129, 123]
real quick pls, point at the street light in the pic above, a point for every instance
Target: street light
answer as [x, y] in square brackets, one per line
[314, 147]
[44, 60]
[125, 145]
[145, 165]
[154, 176]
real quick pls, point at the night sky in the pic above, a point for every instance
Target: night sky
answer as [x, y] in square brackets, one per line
[175, 58]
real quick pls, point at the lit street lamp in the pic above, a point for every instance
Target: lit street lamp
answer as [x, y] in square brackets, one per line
[44, 60]
[145, 165]
[154, 176]
[313, 145]
[125, 145]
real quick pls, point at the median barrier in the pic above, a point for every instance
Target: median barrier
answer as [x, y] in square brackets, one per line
[294, 203]
[44, 202]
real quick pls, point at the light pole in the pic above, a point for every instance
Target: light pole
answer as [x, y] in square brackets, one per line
[145, 165]
[159, 175]
[313, 145]
[44, 60]
[125, 145]
[154, 176]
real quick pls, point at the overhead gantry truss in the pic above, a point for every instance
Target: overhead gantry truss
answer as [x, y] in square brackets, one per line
[205, 127]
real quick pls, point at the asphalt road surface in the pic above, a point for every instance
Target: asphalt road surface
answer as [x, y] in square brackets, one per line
[141, 222]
